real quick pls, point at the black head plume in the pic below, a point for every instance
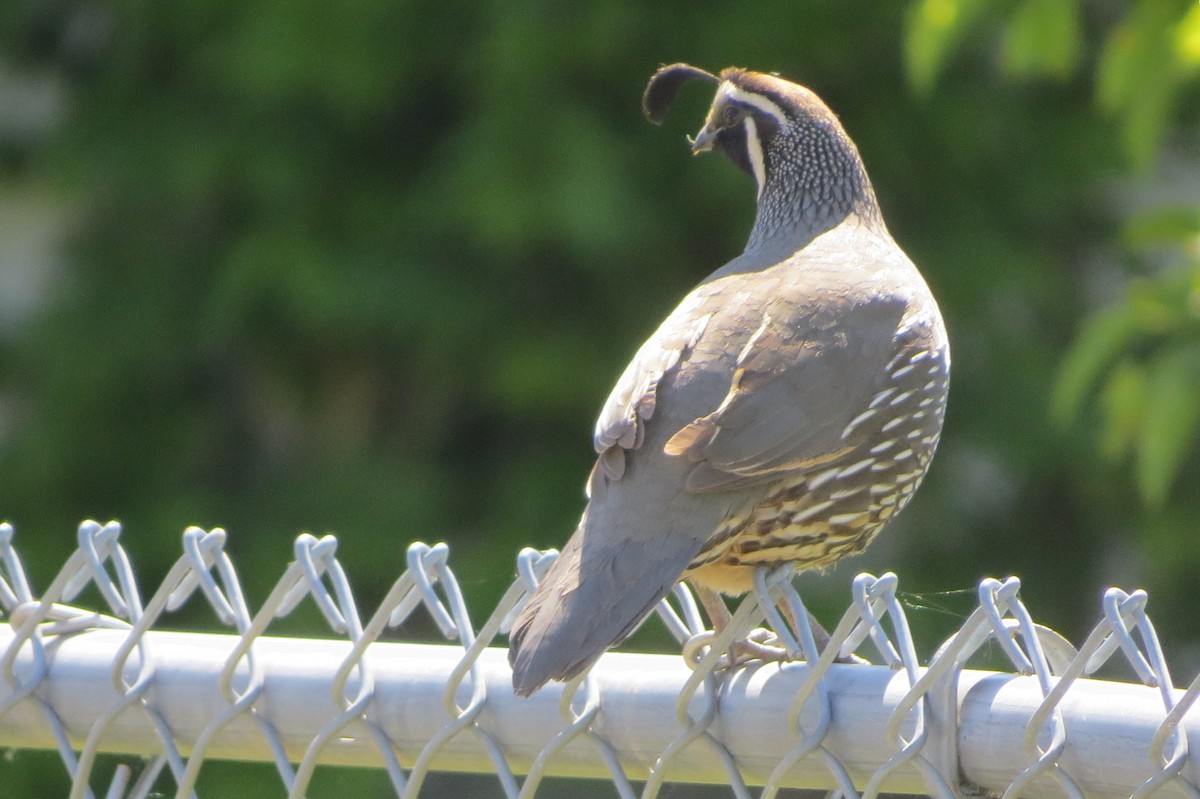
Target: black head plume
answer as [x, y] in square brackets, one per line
[664, 85]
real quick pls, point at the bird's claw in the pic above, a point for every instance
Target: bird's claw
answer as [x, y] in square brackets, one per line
[761, 645]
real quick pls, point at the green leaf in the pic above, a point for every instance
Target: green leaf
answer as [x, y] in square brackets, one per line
[1187, 39]
[1123, 400]
[1131, 52]
[1146, 120]
[1138, 75]
[1176, 225]
[1104, 335]
[1044, 38]
[933, 28]
[1164, 305]
[1169, 422]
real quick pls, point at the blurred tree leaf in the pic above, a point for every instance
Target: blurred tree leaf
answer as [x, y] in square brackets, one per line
[1097, 344]
[1123, 400]
[1118, 356]
[1170, 418]
[1147, 55]
[1187, 39]
[1171, 226]
[1043, 38]
[1140, 71]
[1144, 351]
[934, 28]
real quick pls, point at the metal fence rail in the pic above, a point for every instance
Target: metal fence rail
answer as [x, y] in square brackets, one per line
[87, 683]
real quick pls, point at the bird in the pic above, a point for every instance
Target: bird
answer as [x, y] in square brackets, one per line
[784, 412]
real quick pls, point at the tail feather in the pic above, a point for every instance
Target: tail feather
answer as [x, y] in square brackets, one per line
[595, 594]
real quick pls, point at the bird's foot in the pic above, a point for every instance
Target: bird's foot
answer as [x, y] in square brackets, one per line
[761, 645]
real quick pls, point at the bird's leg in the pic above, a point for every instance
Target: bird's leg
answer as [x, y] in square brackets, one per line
[756, 645]
[753, 646]
[715, 607]
[821, 636]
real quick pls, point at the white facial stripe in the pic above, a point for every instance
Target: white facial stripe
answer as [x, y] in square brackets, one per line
[755, 152]
[772, 109]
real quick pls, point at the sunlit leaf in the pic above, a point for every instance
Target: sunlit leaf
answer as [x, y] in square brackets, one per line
[1102, 338]
[1123, 400]
[1115, 72]
[1187, 39]
[1146, 119]
[1043, 38]
[1162, 306]
[1137, 76]
[934, 28]
[1170, 225]
[1134, 49]
[1169, 423]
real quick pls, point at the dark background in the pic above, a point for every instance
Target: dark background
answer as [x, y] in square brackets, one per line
[370, 269]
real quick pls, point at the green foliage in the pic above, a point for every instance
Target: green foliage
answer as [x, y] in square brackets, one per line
[1098, 344]
[1040, 37]
[1142, 358]
[934, 29]
[1170, 419]
[1145, 60]
[1043, 38]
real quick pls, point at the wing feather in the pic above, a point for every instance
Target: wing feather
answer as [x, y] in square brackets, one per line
[621, 426]
[792, 396]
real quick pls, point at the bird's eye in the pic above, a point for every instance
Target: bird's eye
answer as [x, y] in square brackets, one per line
[732, 114]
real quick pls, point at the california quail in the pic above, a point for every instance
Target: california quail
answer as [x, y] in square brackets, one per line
[784, 411]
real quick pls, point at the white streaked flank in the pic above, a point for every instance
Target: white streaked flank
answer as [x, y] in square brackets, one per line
[846, 493]
[881, 397]
[811, 513]
[856, 421]
[823, 478]
[855, 468]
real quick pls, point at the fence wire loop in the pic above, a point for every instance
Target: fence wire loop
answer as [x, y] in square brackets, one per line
[100, 549]
[14, 588]
[859, 730]
[428, 565]
[204, 551]
[532, 566]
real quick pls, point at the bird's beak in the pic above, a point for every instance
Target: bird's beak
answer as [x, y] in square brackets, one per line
[703, 142]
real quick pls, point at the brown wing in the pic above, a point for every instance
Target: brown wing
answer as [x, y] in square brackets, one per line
[799, 385]
[621, 425]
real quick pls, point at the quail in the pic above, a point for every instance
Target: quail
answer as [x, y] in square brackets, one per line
[785, 411]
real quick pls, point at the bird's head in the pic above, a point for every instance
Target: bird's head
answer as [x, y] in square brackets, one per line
[778, 132]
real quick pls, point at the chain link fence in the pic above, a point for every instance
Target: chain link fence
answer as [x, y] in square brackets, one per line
[861, 717]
